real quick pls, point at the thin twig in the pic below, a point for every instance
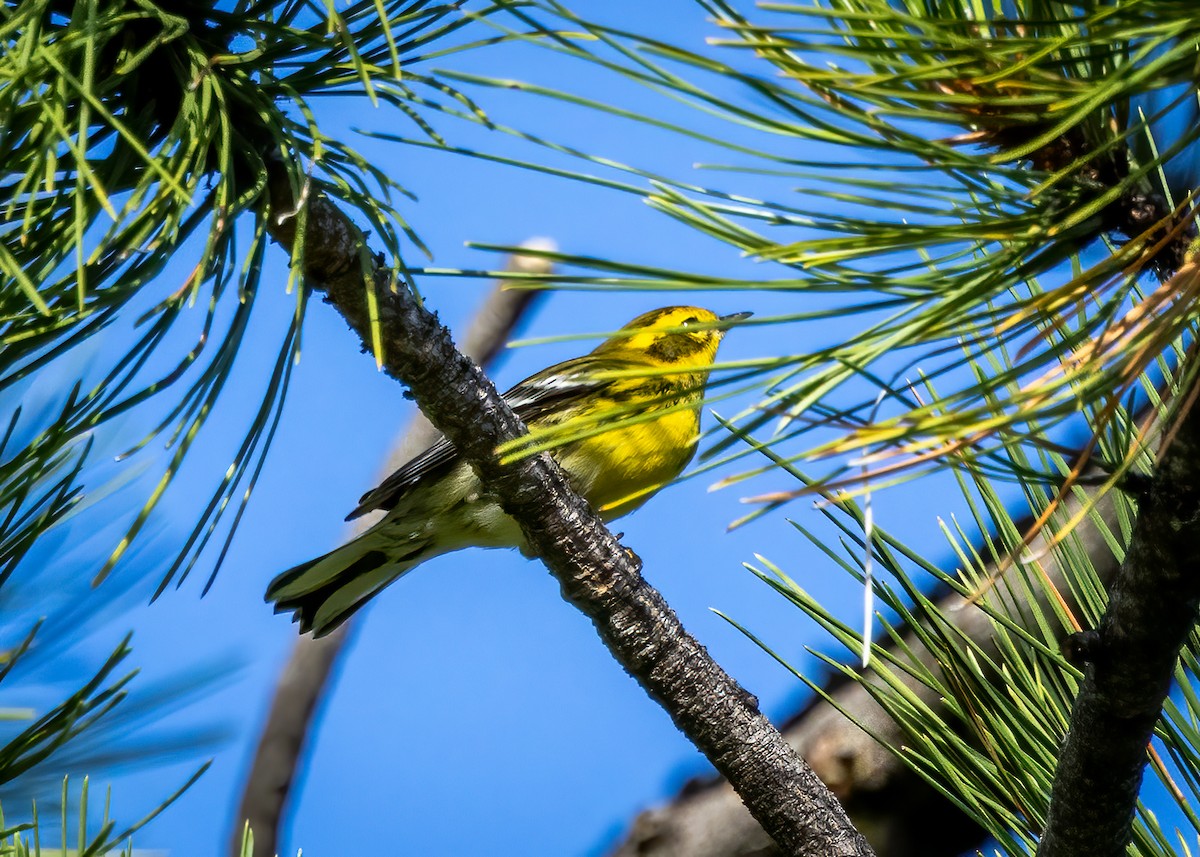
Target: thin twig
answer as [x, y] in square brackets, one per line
[305, 677]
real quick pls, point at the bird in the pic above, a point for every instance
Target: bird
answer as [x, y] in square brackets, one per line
[628, 426]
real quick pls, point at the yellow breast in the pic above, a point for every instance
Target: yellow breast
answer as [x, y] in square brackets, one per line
[621, 469]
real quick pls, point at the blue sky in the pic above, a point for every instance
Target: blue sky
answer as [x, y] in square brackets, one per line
[475, 712]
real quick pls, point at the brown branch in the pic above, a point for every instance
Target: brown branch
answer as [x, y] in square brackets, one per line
[1131, 660]
[596, 574]
[900, 813]
[306, 675]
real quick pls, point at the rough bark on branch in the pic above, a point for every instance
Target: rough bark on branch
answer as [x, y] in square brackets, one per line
[302, 684]
[596, 573]
[901, 815]
[1131, 660]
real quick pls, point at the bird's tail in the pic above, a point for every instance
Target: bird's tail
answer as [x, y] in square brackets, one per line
[324, 592]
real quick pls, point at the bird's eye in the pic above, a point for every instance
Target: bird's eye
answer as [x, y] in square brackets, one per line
[687, 321]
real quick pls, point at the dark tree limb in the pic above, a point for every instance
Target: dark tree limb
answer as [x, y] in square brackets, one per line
[901, 815]
[596, 573]
[305, 677]
[1131, 660]
[1116, 701]
[1152, 609]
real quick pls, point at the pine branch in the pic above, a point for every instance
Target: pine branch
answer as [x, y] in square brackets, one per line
[1131, 659]
[882, 795]
[597, 574]
[268, 785]
[305, 677]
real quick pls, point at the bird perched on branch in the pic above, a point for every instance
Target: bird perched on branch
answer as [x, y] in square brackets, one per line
[622, 421]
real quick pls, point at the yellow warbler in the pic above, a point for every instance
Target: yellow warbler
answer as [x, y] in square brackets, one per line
[627, 427]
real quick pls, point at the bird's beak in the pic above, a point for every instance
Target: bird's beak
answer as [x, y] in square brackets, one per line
[728, 321]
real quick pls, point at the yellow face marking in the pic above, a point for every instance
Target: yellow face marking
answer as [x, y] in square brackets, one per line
[680, 335]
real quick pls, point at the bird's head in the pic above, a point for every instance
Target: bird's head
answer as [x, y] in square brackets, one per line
[674, 334]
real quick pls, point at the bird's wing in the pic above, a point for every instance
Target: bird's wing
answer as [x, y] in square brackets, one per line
[533, 398]
[437, 459]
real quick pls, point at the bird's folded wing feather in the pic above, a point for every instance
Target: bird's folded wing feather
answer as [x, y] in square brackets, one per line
[533, 398]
